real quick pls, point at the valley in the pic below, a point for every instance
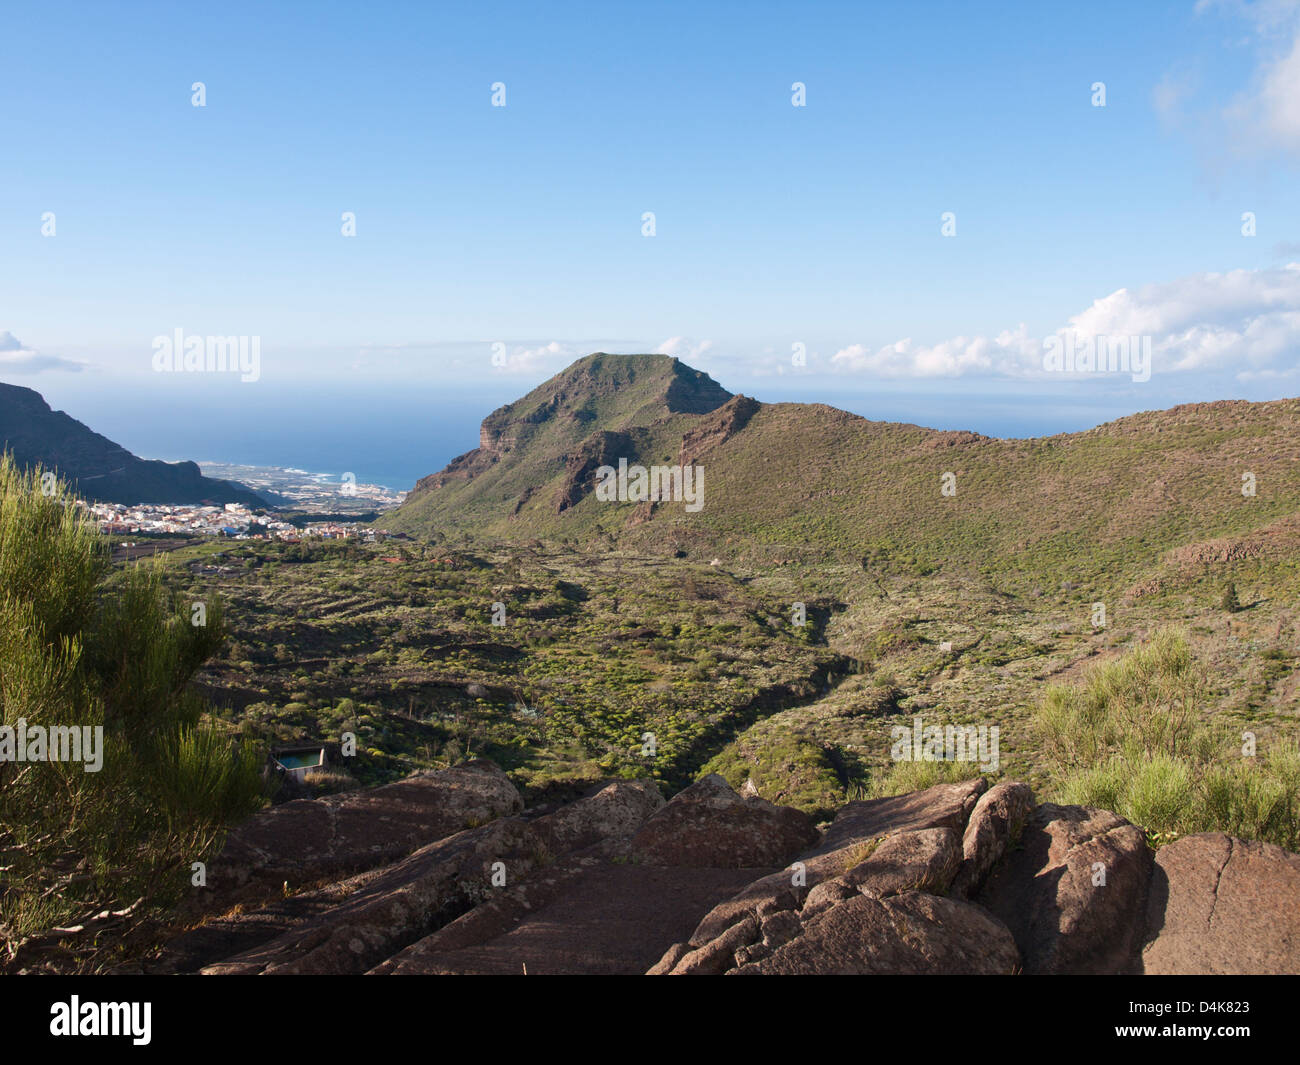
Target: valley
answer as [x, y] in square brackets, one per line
[396, 643]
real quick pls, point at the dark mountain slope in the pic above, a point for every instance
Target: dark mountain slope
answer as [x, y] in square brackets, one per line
[98, 468]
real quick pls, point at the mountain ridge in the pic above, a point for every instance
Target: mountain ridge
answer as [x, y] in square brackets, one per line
[816, 478]
[97, 467]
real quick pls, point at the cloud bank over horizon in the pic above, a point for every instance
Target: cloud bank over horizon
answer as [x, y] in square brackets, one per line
[1246, 322]
[17, 358]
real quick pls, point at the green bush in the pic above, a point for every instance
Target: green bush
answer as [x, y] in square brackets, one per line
[1260, 801]
[787, 769]
[1101, 786]
[1130, 737]
[1159, 793]
[904, 777]
[82, 647]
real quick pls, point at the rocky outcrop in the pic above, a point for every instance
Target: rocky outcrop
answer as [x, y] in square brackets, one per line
[490, 874]
[385, 911]
[925, 859]
[995, 824]
[874, 851]
[600, 449]
[448, 875]
[1222, 905]
[309, 840]
[942, 806]
[855, 831]
[909, 934]
[1276, 538]
[1074, 894]
[708, 825]
[719, 427]
[616, 810]
[610, 917]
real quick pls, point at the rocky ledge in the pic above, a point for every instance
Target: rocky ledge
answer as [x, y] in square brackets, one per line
[447, 873]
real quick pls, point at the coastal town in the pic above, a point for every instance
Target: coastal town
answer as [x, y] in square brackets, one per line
[285, 486]
[301, 506]
[233, 521]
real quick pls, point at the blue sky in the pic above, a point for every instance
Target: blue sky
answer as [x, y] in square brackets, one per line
[775, 225]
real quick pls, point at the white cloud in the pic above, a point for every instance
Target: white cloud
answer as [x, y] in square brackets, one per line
[1268, 16]
[16, 358]
[684, 348]
[1279, 97]
[1244, 321]
[521, 359]
[1005, 353]
[1264, 117]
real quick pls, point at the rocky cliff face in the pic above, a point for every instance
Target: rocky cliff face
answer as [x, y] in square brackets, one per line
[447, 873]
[719, 427]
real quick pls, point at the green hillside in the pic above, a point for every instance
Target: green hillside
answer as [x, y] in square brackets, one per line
[802, 482]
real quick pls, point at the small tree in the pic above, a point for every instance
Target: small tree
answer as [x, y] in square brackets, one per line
[86, 650]
[1230, 602]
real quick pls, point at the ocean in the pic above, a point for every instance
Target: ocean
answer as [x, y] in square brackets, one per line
[386, 436]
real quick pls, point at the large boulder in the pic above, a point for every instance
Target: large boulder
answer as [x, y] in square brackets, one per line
[311, 840]
[941, 806]
[617, 809]
[912, 933]
[852, 836]
[709, 826]
[1222, 905]
[996, 822]
[1074, 893]
[925, 859]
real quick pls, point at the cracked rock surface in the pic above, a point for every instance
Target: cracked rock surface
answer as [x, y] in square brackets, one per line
[1220, 905]
[446, 873]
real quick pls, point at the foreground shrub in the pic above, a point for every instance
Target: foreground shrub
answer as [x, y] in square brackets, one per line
[85, 649]
[1130, 737]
